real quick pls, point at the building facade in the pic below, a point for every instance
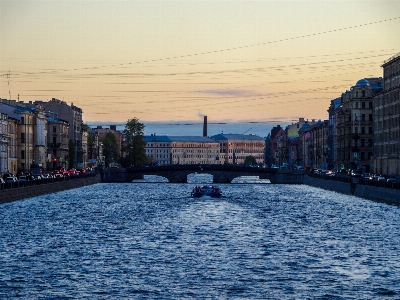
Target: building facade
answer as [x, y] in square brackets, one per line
[167, 150]
[387, 121]
[355, 125]
[277, 134]
[234, 148]
[74, 116]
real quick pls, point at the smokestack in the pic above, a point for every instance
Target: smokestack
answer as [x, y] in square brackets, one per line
[205, 126]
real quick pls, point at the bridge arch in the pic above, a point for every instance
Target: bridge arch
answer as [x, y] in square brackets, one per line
[220, 173]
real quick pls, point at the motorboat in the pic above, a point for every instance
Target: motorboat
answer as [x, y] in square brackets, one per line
[206, 190]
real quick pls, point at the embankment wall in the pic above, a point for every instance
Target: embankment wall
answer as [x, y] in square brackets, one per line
[364, 191]
[8, 195]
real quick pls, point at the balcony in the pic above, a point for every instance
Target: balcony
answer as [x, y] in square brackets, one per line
[54, 145]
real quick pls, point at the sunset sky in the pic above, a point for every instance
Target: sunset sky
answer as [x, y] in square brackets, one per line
[170, 60]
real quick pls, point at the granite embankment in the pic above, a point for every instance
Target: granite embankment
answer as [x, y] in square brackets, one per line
[381, 194]
[22, 192]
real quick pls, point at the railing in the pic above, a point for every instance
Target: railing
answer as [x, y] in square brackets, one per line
[364, 181]
[18, 184]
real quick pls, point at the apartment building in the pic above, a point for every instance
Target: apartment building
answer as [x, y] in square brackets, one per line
[355, 124]
[73, 115]
[386, 124]
[275, 155]
[57, 142]
[26, 135]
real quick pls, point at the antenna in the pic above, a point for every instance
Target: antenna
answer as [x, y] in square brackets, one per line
[9, 89]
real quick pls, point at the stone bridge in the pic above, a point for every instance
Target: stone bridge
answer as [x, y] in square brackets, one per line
[220, 173]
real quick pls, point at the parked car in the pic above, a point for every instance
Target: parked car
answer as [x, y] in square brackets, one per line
[393, 180]
[1, 180]
[22, 178]
[379, 178]
[47, 176]
[11, 179]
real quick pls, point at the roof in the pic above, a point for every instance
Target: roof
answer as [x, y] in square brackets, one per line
[183, 138]
[196, 139]
[156, 138]
[232, 136]
[362, 82]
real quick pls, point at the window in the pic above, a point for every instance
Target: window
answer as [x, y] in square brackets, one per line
[357, 102]
[363, 93]
[54, 129]
[362, 130]
[363, 117]
[370, 117]
[370, 105]
[54, 140]
[22, 120]
[362, 142]
[370, 131]
[22, 154]
[23, 137]
[362, 104]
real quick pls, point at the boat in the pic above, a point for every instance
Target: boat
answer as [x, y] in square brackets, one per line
[206, 190]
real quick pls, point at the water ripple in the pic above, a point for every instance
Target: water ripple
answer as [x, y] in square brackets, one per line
[145, 240]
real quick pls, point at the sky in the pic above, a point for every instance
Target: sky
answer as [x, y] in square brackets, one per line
[178, 60]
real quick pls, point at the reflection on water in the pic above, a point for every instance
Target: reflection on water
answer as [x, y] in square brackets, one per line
[201, 178]
[154, 241]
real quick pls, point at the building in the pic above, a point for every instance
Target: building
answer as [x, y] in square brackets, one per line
[292, 152]
[57, 142]
[27, 137]
[332, 134]
[4, 143]
[319, 144]
[166, 150]
[277, 134]
[387, 121]
[234, 148]
[102, 132]
[355, 125]
[73, 115]
[159, 149]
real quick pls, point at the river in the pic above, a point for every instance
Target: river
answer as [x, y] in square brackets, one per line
[153, 241]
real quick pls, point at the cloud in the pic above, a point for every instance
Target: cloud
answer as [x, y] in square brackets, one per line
[232, 93]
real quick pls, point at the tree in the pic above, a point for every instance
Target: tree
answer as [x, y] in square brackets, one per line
[134, 143]
[110, 148]
[71, 153]
[250, 160]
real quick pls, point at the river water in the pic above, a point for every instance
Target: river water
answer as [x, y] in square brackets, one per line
[153, 241]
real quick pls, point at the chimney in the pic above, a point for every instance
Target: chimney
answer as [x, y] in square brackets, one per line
[205, 126]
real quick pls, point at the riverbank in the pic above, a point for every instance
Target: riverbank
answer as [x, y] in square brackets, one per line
[13, 194]
[391, 196]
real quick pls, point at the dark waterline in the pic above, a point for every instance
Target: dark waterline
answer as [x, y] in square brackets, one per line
[259, 241]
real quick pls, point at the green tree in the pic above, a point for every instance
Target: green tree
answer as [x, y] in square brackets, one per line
[250, 160]
[134, 143]
[71, 154]
[110, 148]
